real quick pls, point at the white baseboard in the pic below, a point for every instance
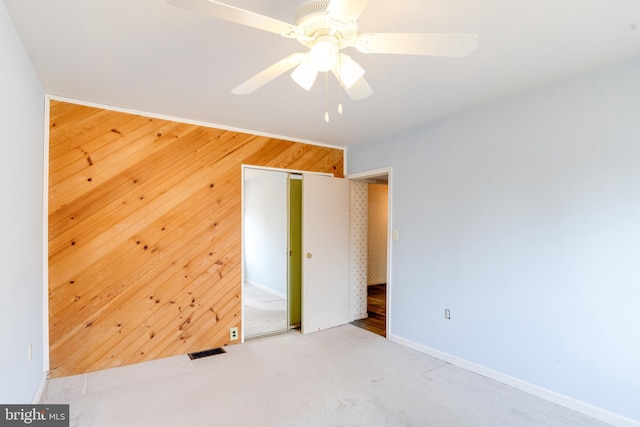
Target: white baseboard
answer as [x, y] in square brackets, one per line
[267, 289]
[37, 397]
[552, 396]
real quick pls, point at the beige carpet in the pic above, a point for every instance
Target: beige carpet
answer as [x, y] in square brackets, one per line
[343, 376]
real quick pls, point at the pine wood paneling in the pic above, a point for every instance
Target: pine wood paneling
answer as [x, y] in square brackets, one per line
[145, 233]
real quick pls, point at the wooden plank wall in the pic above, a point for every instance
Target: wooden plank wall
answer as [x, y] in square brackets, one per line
[145, 233]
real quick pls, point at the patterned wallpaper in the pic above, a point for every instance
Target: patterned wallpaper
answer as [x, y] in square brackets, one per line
[377, 234]
[359, 217]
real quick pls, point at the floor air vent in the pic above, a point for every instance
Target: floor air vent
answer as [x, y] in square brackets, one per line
[205, 353]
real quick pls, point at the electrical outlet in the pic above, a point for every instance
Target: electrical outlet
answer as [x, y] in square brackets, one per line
[447, 314]
[233, 333]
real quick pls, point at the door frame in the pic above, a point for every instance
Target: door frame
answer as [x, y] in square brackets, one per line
[390, 231]
[243, 167]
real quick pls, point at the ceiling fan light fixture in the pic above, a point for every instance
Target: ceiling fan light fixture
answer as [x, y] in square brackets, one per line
[324, 53]
[305, 74]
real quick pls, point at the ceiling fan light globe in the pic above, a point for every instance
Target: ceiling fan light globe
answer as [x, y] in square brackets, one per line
[305, 75]
[350, 71]
[324, 53]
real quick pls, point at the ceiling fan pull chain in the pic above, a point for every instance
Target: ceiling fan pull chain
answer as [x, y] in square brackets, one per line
[340, 87]
[326, 97]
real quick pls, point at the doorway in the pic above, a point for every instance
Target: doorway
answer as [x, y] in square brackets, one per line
[371, 256]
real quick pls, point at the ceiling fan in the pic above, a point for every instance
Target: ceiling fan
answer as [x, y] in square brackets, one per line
[326, 27]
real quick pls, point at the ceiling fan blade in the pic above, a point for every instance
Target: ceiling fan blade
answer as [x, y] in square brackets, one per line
[268, 74]
[235, 14]
[346, 10]
[434, 44]
[358, 90]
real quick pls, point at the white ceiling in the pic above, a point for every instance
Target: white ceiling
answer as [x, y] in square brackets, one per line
[149, 56]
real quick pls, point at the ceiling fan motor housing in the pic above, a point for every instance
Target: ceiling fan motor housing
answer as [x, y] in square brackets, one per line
[314, 22]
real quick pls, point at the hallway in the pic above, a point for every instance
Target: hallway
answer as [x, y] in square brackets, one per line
[376, 310]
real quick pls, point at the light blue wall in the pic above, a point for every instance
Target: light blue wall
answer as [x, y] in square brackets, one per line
[21, 222]
[523, 218]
